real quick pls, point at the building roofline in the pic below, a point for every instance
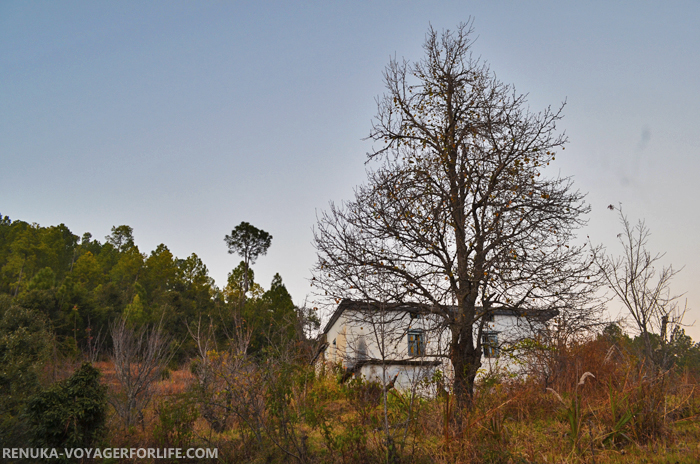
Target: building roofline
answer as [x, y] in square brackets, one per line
[347, 303]
[541, 315]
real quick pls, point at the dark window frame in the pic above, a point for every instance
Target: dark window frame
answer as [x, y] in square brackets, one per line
[489, 344]
[416, 342]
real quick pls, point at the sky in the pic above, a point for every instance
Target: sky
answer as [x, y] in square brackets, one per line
[182, 119]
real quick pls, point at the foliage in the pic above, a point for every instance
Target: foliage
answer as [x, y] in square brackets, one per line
[278, 408]
[122, 238]
[25, 344]
[81, 286]
[621, 415]
[249, 242]
[270, 315]
[573, 411]
[236, 282]
[26, 249]
[71, 413]
[312, 418]
[176, 419]
[685, 353]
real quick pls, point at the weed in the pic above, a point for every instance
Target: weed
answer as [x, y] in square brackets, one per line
[176, 419]
[573, 410]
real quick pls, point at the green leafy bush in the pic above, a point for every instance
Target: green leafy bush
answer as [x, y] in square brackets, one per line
[70, 413]
[24, 347]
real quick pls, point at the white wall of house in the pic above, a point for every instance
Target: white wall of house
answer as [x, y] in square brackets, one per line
[383, 338]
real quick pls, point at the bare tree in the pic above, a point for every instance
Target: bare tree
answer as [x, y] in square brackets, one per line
[214, 406]
[644, 287]
[139, 357]
[228, 383]
[457, 215]
[261, 395]
[93, 344]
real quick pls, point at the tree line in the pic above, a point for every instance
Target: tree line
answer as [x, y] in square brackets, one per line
[65, 298]
[79, 285]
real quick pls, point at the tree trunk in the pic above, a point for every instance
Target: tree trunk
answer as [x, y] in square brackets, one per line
[466, 361]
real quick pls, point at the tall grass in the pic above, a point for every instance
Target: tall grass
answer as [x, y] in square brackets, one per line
[596, 403]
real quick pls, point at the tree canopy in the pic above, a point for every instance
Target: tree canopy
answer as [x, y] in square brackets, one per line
[81, 285]
[248, 242]
[458, 218]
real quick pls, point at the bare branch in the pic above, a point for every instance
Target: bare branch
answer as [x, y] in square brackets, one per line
[644, 288]
[139, 357]
[457, 218]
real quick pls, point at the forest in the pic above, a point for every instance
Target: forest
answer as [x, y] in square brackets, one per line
[64, 298]
[102, 345]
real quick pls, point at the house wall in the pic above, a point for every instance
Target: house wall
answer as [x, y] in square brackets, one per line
[510, 329]
[384, 336]
[336, 352]
[407, 377]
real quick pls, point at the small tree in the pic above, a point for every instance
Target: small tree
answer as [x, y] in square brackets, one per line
[70, 413]
[644, 288]
[139, 357]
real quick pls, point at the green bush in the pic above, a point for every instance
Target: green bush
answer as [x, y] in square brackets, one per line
[176, 418]
[24, 347]
[70, 413]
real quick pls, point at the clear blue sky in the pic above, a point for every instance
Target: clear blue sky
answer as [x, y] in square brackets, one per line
[183, 119]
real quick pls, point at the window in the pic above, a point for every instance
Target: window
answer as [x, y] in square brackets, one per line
[416, 343]
[361, 347]
[489, 342]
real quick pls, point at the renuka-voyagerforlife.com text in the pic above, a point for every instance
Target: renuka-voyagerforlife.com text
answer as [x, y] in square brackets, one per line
[110, 453]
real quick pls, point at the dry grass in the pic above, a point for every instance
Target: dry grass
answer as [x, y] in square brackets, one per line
[518, 421]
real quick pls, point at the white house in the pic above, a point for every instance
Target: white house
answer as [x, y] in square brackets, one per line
[402, 345]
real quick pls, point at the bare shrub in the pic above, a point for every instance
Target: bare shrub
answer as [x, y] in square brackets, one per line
[139, 357]
[226, 383]
[93, 345]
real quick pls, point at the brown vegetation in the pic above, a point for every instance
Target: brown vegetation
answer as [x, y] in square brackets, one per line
[598, 406]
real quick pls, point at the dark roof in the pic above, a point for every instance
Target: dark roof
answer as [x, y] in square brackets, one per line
[541, 315]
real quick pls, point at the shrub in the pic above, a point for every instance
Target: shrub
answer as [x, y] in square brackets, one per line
[70, 413]
[24, 347]
[176, 418]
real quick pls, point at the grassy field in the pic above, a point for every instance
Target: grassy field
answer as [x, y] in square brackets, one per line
[269, 413]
